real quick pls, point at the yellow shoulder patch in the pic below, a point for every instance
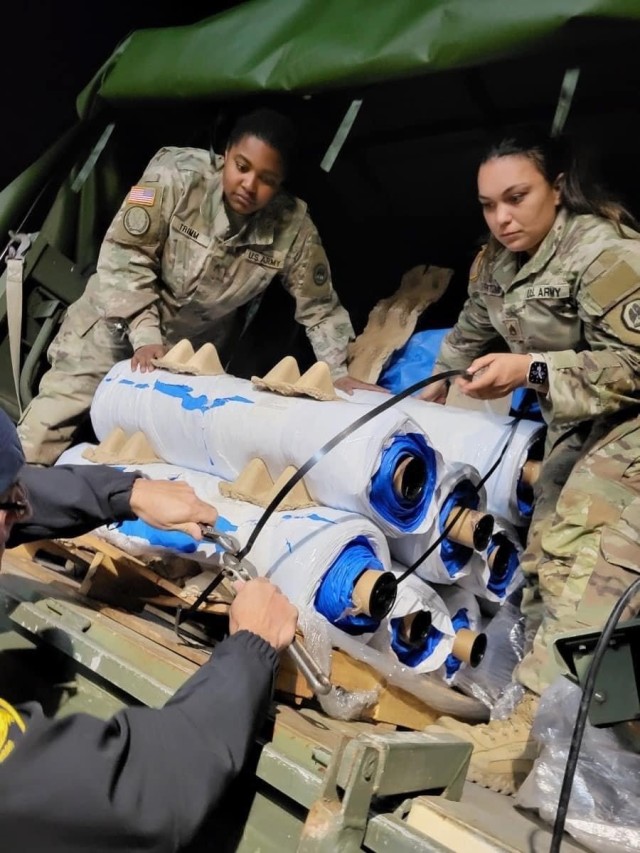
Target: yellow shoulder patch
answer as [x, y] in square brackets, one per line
[11, 726]
[474, 272]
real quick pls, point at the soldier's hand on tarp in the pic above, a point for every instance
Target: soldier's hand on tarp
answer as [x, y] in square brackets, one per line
[261, 608]
[348, 384]
[171, 505]
[143, 356]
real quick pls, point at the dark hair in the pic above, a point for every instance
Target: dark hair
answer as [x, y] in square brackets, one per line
[271, 127]
[556, 159]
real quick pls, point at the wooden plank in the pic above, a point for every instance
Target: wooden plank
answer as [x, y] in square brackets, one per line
[394, 705]
[120, 578]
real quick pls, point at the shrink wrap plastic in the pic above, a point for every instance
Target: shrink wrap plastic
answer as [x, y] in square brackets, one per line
[217, 424]
[476, 439]
[604, 806]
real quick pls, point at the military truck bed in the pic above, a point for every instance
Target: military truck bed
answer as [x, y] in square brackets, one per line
[319, 784]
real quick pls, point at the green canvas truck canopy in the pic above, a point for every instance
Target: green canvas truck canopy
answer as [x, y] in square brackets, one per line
[309, 46]
[397, 100]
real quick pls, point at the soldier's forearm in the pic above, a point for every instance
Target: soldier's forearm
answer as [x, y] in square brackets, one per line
[589, 384]
[330, 338]
[144, 329]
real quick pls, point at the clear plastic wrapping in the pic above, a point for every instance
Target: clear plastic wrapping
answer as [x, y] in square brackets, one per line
[339, 704]
[492, 681]
[604, 809]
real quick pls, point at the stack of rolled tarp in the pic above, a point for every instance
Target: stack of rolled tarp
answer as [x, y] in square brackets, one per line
[319, 556]
[478, 439]
[463, 525]
[418, 630]
[432, 629]
[386, 470]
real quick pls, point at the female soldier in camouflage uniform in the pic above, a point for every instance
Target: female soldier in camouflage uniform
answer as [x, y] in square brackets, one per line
[194, 240]
[559, 284]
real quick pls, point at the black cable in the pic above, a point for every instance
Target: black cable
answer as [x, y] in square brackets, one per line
[581, 718]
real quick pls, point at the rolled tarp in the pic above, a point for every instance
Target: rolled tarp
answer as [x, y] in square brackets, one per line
[386, 470]
[469, 646]
[318, 556]
[418, 630]
[451, 559]
[496, 573]
[478, 439]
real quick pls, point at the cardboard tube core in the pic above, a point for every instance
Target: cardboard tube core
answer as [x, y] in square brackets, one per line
[409, 478]
[531, 472]
[498, 559]
[469, 646]
[415, 627]
[470, 527]
[374, 593]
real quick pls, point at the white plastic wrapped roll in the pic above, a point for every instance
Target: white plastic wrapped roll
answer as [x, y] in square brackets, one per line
[496, 573]
[477, 439]
[465, 617]
[295, 549]
[423, 647]
[218, 424]
[449, 561]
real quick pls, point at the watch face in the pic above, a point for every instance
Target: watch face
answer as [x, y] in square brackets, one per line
[538, 373]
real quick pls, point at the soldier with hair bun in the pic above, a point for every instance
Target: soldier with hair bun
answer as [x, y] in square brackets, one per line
[194, 240]
[558, 287]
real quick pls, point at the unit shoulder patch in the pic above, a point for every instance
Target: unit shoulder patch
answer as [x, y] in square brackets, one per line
[320, 274]
[631, 315]
[136, 220]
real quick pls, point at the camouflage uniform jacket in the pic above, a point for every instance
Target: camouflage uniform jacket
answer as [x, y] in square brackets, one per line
[576, 302]
[170, 266]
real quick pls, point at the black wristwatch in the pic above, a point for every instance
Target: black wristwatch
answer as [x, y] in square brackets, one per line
[538, 376]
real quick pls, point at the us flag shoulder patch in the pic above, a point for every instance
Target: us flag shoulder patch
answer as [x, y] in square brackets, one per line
[142, 195]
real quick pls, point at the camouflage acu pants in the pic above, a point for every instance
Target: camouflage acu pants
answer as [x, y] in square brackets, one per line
[84, 350]
[583, 553]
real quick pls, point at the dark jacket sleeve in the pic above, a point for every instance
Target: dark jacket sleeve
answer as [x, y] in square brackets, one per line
[69, 500]
[146, 779]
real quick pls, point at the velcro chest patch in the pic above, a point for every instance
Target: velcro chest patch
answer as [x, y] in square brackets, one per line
[190, 232]
[263, 260]
[548, 291]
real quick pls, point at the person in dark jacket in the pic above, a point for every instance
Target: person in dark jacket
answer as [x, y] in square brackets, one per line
[146, 779]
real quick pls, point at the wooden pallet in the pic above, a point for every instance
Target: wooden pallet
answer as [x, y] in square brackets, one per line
[118, 578]
[122, 588]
